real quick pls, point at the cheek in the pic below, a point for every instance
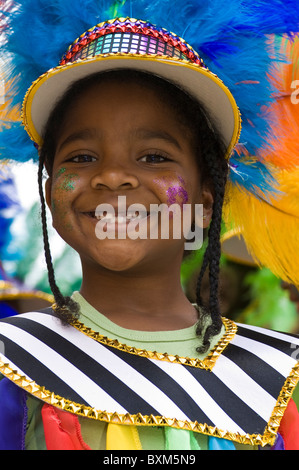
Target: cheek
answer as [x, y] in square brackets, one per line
[60, 214]
[62, 193]
[173, 190]
[64, 182]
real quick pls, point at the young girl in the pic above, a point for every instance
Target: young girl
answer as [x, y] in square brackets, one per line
[128, 362]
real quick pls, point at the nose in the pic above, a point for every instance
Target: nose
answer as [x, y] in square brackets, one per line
[114, 177]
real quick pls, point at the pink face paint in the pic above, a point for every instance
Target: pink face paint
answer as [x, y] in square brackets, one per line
[176, 191]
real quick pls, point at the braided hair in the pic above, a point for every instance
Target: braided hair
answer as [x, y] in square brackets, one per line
[65, 307]
[218, 171]
[210, 152]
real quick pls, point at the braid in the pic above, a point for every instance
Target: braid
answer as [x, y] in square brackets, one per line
[218, 171]
[65, 308]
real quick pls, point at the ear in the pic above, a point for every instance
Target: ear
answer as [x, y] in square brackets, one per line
[207, 201]
[48, 193]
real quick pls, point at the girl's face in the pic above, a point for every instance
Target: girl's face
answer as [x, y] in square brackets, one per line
[121, 140]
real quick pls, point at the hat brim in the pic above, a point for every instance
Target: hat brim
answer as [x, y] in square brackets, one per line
[199, 82]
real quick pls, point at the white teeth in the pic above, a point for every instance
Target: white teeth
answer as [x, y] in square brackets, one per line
[136, 215]
[111, 218]
[107, 216]
[132, 215]
[120, 220]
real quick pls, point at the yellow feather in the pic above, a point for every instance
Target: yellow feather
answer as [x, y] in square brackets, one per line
[270, 229]
[7, 113]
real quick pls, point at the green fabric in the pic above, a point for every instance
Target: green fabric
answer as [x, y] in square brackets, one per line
[182, 342]
[176, 439]
[35, 439]
[295, 396]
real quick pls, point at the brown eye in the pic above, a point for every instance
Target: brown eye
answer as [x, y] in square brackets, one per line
[82, 158]
[154, 158]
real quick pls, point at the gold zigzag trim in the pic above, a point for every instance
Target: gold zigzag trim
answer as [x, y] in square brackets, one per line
[207, 363]
[268, 438]
[281, 405]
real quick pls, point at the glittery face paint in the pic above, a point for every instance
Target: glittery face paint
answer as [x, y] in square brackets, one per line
[62, 182]
[181, 211]
[175, 190]
[177, 193]
[59, 173]
[68, 182]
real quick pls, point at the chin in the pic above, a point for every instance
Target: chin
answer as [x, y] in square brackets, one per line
[117, 257]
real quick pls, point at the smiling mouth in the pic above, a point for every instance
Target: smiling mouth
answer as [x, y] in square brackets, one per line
[114, 218]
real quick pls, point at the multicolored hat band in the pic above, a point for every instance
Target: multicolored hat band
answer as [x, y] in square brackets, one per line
[133, 44]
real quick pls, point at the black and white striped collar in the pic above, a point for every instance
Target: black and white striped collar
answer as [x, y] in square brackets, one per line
[240, 393]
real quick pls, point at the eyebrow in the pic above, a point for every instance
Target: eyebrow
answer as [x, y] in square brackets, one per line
[82, 134]
[139, 133]
[149, 134]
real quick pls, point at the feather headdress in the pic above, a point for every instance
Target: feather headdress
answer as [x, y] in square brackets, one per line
[270, 228]
[233, 40]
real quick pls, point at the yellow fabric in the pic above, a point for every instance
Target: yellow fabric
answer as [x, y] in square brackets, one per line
[122, 437]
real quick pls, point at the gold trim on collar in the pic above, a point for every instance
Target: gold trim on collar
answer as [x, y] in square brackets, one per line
[268, 438]
[207, 363]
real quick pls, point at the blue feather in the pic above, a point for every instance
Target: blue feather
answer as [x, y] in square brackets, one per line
[9, 209]
[254, 176]
[15, 145]
[41, 32]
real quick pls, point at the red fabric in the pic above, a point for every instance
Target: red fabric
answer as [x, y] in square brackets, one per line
[289, 427]
[62, 430]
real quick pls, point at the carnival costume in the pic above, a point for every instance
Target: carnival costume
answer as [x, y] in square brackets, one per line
[241, 392]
